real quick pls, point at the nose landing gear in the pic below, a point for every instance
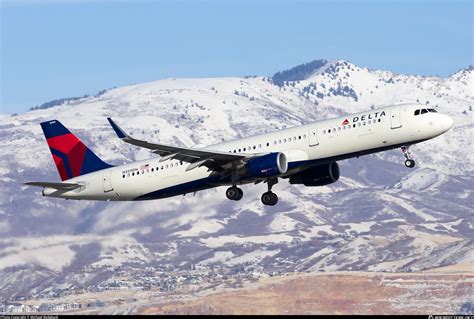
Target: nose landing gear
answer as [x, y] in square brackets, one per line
[409, 162]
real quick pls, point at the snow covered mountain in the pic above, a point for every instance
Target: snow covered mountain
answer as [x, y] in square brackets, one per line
[380, 216]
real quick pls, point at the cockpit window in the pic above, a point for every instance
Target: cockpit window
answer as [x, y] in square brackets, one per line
[423, 111]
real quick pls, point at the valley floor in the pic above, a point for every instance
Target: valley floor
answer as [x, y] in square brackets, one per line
[434, 292]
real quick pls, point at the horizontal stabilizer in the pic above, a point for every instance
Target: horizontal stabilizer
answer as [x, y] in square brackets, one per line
[60, 186]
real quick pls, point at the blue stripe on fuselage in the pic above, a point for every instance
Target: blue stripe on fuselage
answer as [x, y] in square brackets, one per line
[189, 187]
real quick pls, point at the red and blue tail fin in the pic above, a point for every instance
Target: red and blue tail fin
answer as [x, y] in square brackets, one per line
[71, 156]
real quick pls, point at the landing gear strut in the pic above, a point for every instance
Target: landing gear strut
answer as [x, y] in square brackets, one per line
[408, 162]
[234, 193]
[269, 198]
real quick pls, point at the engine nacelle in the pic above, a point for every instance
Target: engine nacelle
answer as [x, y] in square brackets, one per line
[317, 175]
[273, 164]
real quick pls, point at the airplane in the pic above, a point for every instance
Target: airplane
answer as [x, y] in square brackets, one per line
[305, 155]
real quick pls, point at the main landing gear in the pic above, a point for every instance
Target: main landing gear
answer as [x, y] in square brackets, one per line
[408, 162]
[269, 198]
[234, 193]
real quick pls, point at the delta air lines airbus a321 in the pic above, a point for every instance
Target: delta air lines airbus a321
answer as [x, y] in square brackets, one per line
[305, 155]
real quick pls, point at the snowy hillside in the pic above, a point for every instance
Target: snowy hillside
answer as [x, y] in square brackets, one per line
[380, 216]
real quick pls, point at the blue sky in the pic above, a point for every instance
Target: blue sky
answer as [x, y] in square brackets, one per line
[52, 49]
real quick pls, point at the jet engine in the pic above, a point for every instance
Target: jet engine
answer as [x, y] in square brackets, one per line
[269, 165]
[317, 175]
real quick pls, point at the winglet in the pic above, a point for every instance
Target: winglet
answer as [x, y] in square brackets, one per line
[120, 133]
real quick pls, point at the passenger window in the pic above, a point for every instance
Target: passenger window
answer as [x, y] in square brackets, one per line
[358, 124]
[380, 120]
[152, 169]
[123, 176]
[304, 136]
[339, 128]
[299, 137]
[329, 131]
[324, 131]
[353, 125]
[284, 140]
[279, 141]
[268, 144]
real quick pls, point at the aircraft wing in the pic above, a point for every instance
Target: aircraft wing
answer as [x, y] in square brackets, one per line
[197, 157]
[59, 186]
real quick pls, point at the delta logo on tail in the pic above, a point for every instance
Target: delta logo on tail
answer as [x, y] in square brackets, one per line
[71, 157]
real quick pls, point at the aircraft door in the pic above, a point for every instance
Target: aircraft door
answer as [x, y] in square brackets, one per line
[313, 137]
[395, 118]
[107, 181]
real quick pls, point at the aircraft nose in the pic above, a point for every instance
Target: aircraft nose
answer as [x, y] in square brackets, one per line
[447, 122]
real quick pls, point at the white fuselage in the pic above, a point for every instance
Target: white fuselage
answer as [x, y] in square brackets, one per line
[307, 145]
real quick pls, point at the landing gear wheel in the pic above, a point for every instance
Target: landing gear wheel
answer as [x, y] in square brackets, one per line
[410, 163]
[240, 194]
[269, 199]
[234, 193]
[406, 152]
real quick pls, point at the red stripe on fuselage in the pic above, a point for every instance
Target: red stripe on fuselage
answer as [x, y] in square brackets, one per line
[61, 167]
